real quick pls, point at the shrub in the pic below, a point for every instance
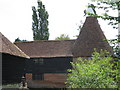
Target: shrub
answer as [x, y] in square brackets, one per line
[99, 72]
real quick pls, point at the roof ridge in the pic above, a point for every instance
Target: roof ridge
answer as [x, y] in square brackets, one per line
[43, 41]
[44, 49]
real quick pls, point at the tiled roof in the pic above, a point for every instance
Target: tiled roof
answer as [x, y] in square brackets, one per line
[7, 47]
[47, 48]
[90, 37]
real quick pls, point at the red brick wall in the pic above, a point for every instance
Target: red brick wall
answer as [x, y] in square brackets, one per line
[28, 76]
[60, 77]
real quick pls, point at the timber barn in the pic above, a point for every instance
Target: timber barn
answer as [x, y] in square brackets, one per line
[49, 60]
[13, 61]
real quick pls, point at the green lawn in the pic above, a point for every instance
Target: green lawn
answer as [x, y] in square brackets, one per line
[11, 85]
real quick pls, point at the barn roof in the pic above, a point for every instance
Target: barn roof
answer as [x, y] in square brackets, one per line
[47, 48]
[90, 37]
[7, 47]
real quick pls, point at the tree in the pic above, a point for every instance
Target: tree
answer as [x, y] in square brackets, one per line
[40, 22]
[107, 0]
[63, 37]
[98, 72]
[18, 40]
[108, 5]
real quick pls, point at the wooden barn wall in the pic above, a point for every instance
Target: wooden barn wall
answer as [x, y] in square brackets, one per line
[13, 68]
[48, 65]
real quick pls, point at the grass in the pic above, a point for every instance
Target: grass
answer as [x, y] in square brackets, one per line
[16, 85]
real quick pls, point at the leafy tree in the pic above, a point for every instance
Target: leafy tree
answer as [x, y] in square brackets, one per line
[63, 37]
[99, 72]
[80, 26]
[40, 22]
[106, 6]
[18, 40]
[114, 43]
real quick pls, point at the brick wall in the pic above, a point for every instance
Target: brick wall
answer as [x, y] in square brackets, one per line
[28, 76]
[55, 77]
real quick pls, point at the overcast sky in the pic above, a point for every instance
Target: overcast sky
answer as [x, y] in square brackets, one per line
[64, 18]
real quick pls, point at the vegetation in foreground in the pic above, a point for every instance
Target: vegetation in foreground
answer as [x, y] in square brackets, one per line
[101, 71]
[16, 85]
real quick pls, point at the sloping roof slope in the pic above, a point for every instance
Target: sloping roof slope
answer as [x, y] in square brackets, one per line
[90, 37]
[7, 47]
[45, 48]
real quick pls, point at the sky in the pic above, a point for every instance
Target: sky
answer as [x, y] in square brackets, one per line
[64, 18]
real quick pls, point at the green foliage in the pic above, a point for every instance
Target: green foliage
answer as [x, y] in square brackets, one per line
[107, 6]
[107, 0]
[98, 72]
[18, 40]
[115, 45]
[17, 85]
[63, 37]
[40, 22]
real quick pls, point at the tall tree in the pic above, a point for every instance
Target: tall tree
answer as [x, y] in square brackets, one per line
[40, 22]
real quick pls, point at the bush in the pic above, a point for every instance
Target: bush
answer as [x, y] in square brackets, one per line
[99, 72]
